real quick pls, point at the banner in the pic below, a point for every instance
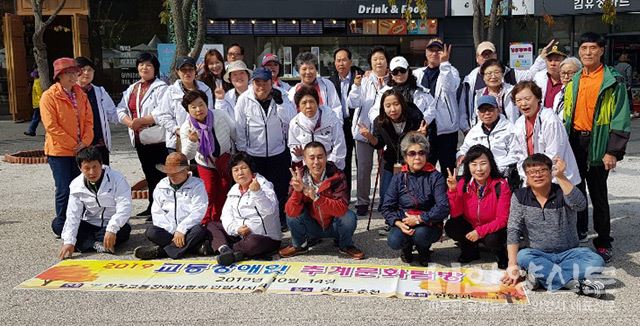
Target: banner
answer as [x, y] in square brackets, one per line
[405, 282]
[520, 55]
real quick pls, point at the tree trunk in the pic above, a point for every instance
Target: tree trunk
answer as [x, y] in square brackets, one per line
[202, 29]
[39, 47]
[478, 17]
[493, 20]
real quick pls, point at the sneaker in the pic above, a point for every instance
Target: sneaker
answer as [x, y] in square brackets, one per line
[29, 133]
[291, 251]
[284, 229]
[407, 255]
[384, 231]
[362, 210]
[147, 252]
[353, 252]
[605, 253]
[99, 248]
[424, 258]
[229, 257]
[590, 288]
[530, 282]
[146, 213]
[205, 248]
[583, 237]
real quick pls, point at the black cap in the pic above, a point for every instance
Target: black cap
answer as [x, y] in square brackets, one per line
[183, 61]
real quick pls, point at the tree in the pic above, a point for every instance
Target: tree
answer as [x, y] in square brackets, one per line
[484, 29]
[39, 47]
[180, 14]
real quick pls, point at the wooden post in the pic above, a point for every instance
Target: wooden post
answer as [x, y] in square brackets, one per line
[80, 30]
[17, 72]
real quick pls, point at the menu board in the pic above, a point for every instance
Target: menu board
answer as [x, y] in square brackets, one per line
[422, 27]
[220, 27]
[355, 27]
[370, 27]
[263, 27]
[392, 27]
[288, 26]
[241, 27]
[335, 27]
[308, 26]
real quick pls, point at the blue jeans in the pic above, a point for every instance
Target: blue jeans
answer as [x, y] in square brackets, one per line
[304, 227]
[64, 169]
[385, 180]
[35, 121]
[554, 270]
[423, 238]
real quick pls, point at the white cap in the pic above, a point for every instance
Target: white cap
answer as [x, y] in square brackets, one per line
[398, 62]
[484, 46]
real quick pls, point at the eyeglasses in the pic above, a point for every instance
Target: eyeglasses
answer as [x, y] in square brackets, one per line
[567, 73]
[534, 172]
[493, 73]
[414, 153]
[398, 71]
[186, 70]
[486, 109]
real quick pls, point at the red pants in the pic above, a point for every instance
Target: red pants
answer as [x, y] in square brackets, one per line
[217, 188]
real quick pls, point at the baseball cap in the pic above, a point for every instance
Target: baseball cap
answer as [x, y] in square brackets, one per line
[556, 50]
[183, 61]
[398, 62]
[435, 42]
[487, 100]
[261, 74]
[270, 57]
[484, 46]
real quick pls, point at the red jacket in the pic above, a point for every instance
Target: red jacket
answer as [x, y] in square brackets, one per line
[486, 215]
[333, 201]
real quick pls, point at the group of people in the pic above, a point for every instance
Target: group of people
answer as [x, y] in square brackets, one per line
[270, 157]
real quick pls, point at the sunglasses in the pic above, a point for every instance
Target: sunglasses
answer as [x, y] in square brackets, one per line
[414, 153]
[397, 71]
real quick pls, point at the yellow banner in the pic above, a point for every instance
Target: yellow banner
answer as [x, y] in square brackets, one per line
[406, 282]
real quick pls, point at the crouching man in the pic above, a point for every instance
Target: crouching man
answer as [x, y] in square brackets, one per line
[547, 213]
[318, 205]
[99, 208]
[179, 204]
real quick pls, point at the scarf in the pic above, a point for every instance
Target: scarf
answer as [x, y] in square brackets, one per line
[308, 180]
[205, 132]
[311, 124]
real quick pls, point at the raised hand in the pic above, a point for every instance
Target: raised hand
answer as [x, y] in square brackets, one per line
[357, 80]
[219, 92]
[296, 179]
[452, 183]
[546, 49]
[459, 160]
[298, 151]
[559, 167]
[193, 136]
[446, 53]
[364, 131]
[254, 186]
[423, 127]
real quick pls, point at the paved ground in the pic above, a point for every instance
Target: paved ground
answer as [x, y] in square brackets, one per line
[28, 247]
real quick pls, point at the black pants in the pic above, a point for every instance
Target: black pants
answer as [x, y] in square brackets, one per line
[149, 156]
[162, 238]
[348, 139]
[89, 233]
[253, 245]
[457, 229]
[443, 149]
[276, 170]
[595, 178]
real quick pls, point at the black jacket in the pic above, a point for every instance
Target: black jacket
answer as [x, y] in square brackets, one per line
[335, 79]
[387, 136]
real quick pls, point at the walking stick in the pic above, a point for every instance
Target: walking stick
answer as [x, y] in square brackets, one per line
[375, 187]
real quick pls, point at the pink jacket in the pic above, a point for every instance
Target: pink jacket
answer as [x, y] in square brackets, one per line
[486, 215]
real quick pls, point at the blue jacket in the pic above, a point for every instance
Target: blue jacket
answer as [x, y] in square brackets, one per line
[423, 192]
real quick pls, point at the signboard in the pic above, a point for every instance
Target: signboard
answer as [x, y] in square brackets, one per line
[520, 55]
[218, 27]
[522, 7]
[461, 8]
[263, 27]
[240, 27]
[392, 27]
[166, 52]
[404, 282]
[310, 26]
[423, 27]
[288, 27]
[503, 7]
[574, 7]
[370, 27]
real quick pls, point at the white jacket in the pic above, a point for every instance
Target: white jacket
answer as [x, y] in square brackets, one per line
[110, 206]
[445, 110]
[363, 98]
[499, 141]
[549, 138]
[260, 134]
[328, 94]
[256, 209]
[225, 133]
[179, 210]
[423, 100]
[558, 104]
[171, 114]
[147, 105]
[228, 103]
[509, 109]
[468, 90]
[541, 79]
[108, 113]
[329, 133]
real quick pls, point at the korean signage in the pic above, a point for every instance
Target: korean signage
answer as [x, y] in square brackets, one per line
[520, 55]
[573, 7]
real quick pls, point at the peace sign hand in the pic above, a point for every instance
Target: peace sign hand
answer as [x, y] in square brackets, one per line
[423, 127]
[296, 179]
[446, 53]
[452, 183]
[219, 92]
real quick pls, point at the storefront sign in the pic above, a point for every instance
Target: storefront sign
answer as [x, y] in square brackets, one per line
[520, 55]
[166, 52]
[573, 7]
[392, 27]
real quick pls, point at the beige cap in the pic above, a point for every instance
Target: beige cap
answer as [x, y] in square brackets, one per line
[484, 46]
